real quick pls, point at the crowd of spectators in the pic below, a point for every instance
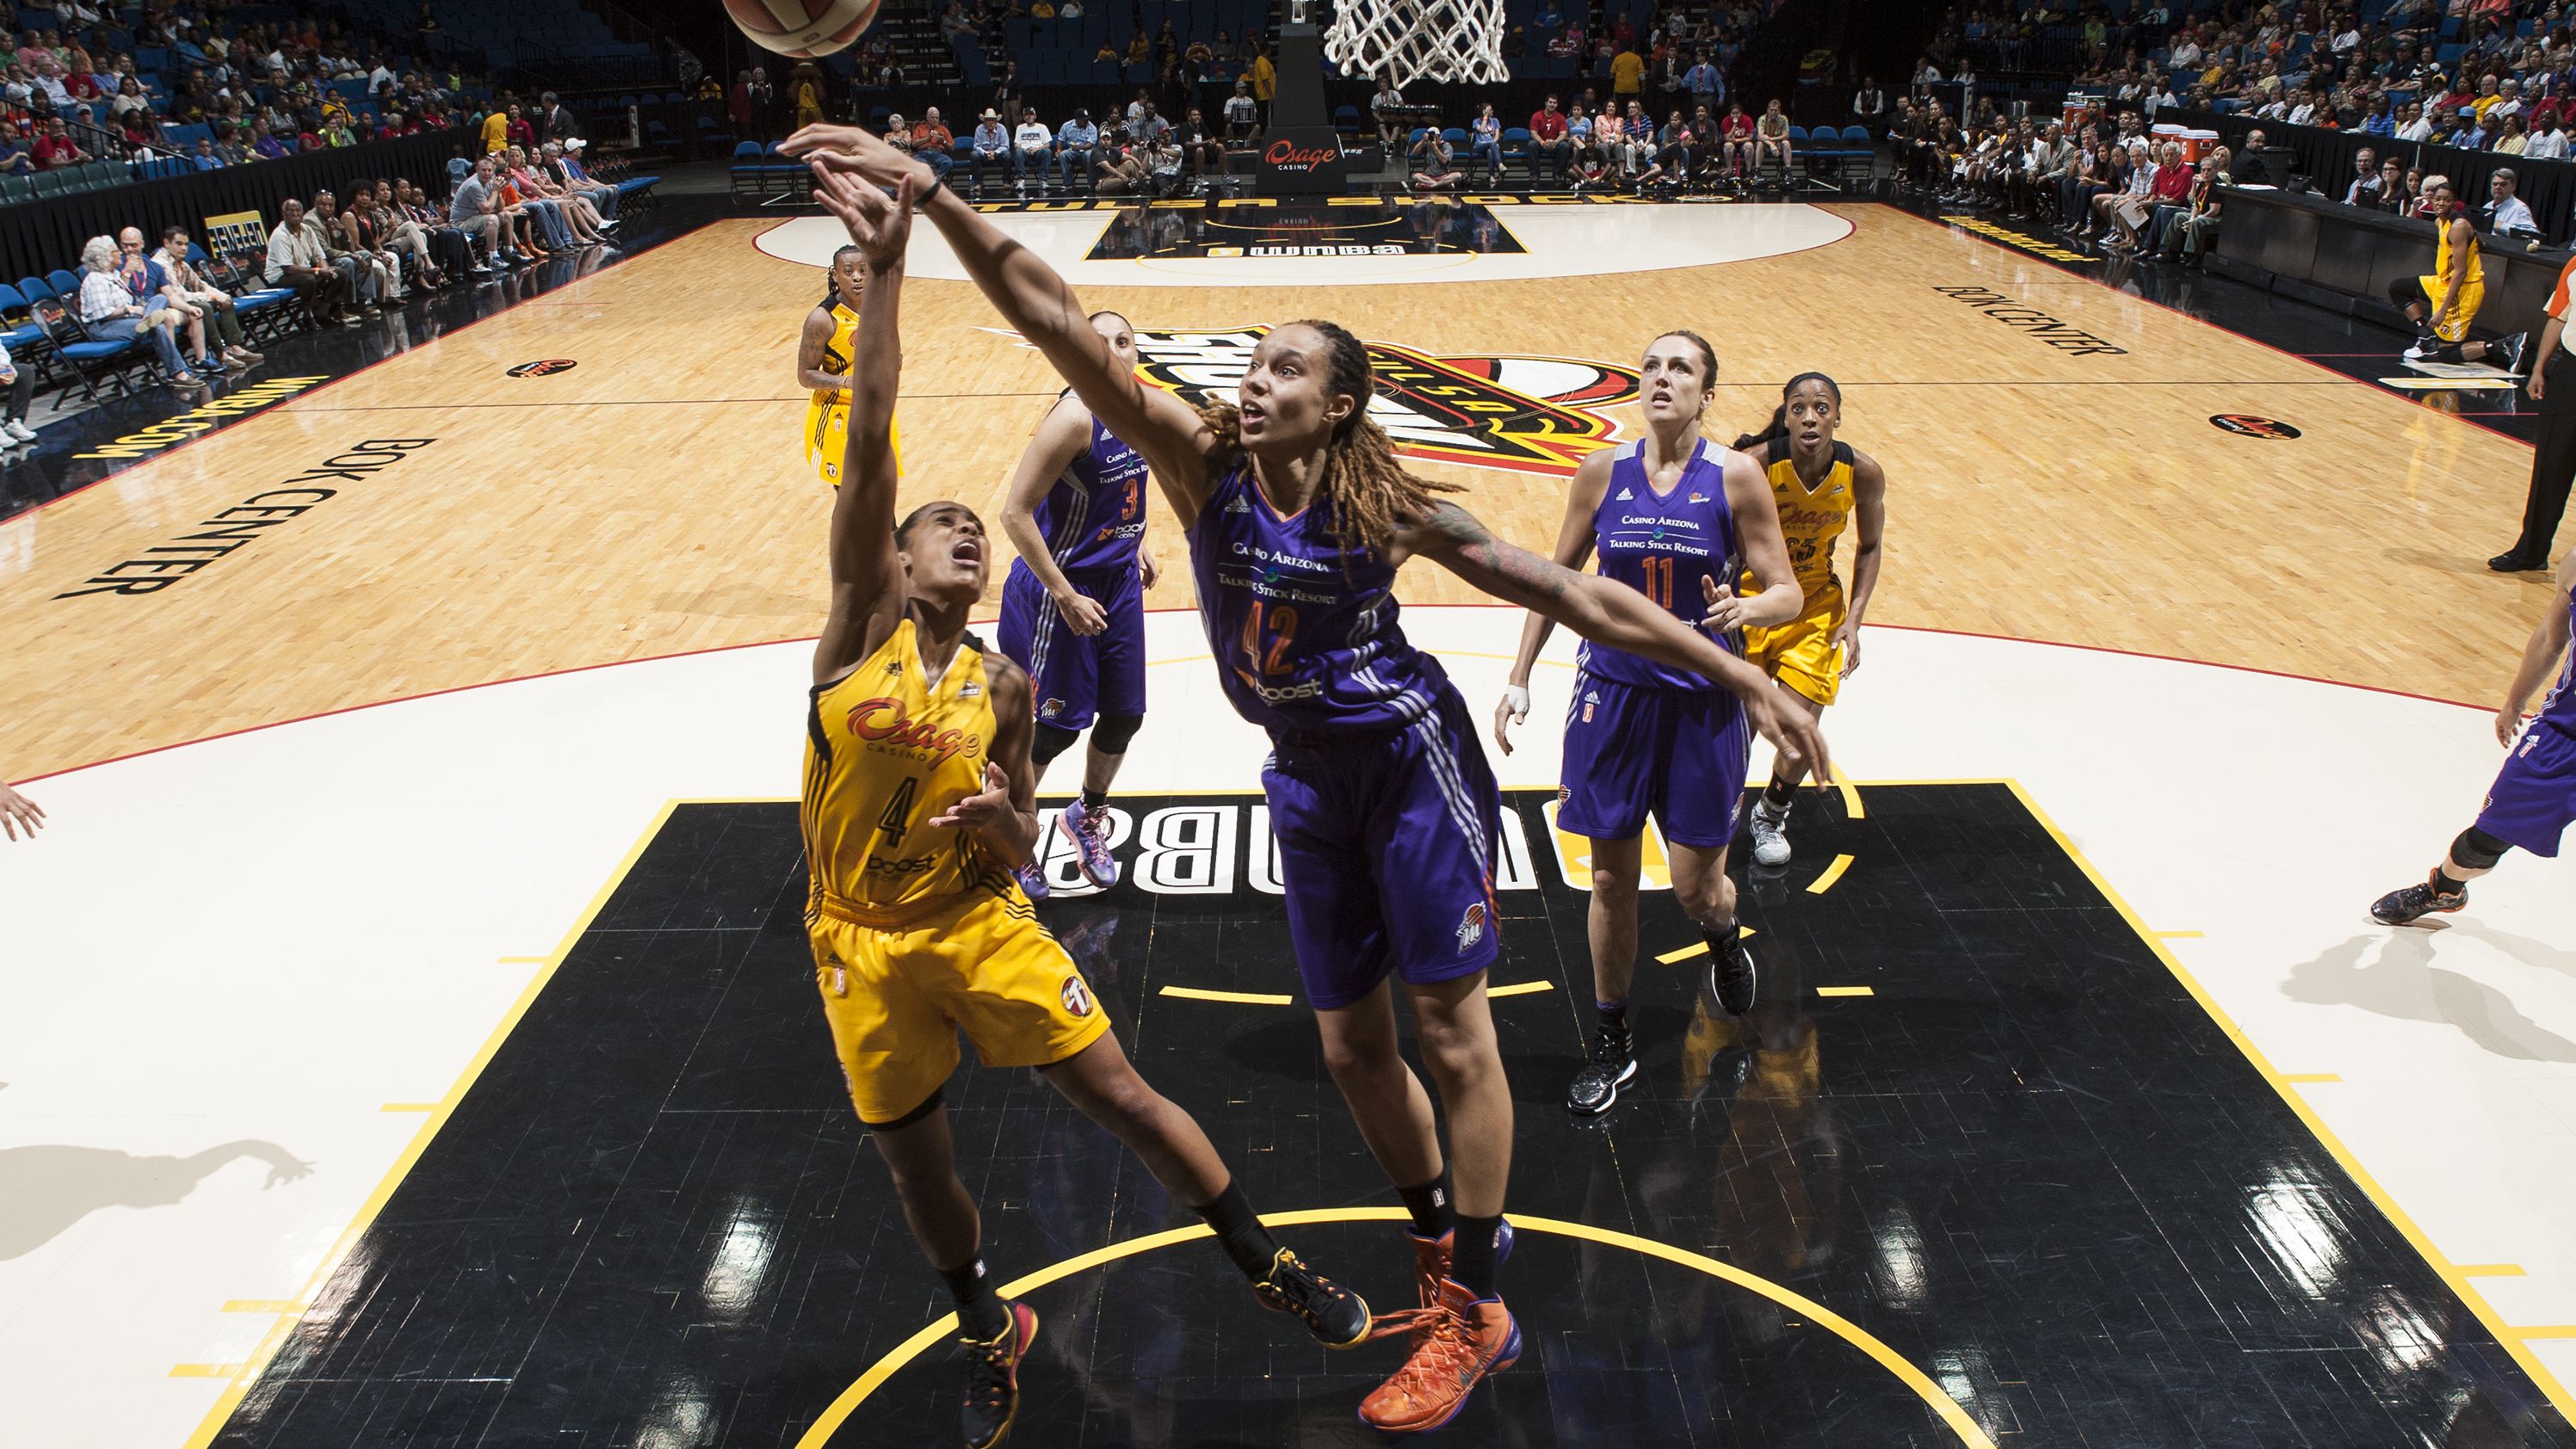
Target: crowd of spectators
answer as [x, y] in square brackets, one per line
[260, 89]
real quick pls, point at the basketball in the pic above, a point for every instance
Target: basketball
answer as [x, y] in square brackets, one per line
[806, 28]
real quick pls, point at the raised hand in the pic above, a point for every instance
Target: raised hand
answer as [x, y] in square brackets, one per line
[880, 226]
[849, 149]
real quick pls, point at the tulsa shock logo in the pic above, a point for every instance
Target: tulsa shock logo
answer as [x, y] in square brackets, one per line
[882, 721]
[1527, 414]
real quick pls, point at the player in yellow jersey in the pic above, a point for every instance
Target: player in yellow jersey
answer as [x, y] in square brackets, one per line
[823, 367]
[1821, 486]
[2444, 304]
[919, 803]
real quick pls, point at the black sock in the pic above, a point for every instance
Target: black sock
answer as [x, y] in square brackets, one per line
[1471, 1262]
[1614, 1016]
[1429, 1205]
[1239, 1232]
[1094, 799]
[2447, 883]
[979, 1309]
[1722, 939]
[1778, 794]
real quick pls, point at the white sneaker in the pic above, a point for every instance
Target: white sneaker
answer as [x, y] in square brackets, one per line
[18, 430]
[1770, 834]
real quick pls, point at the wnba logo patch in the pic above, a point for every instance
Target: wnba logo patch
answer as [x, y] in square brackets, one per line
[1589, 701]
[542, 367]
[1471, 927]
[1077, 997]
[2246, 425]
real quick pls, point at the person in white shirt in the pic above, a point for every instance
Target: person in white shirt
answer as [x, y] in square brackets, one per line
[1389, 129]
[1242, 114]
[22, 392]
[1032, 149]
[2186, 56]
[110, 310]
[2415, 126]
[2549, 144]
[2507, 212]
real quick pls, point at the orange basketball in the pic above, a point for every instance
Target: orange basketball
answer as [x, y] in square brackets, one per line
[806, 28]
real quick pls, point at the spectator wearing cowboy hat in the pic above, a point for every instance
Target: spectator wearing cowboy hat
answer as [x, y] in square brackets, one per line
[991, 144]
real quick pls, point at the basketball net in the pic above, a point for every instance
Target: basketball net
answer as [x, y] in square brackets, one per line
[1434, 40]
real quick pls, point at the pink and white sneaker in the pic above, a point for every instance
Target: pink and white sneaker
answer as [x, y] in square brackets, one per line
[1088, 831]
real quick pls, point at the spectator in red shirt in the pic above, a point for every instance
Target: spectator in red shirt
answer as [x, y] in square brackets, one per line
[56, 148]
[522, 133]
[931, 141]
[1547, 139]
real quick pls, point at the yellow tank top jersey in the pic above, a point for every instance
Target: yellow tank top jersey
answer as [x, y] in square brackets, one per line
[1810, 519]
[2473, 285]
[886, 750]
[827, 413]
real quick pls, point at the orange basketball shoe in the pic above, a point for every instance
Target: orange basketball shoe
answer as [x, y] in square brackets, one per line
[1431, 1269]
[1464, 1339]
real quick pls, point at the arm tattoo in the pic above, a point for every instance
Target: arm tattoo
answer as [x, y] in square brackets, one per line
[1477, 546]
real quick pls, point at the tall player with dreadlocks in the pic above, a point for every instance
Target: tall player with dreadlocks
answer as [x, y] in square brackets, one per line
[1298, 517]
[919, 800]
[1677, 520]
[1820, 484]
[1073, 609]
[823, 366]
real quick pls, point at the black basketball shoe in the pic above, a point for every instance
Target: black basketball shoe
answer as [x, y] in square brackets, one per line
[1732, 978]
[1338, 1317]
[1613, 1065]
[993, 1378]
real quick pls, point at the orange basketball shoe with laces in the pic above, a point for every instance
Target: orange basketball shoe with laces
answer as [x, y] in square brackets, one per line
[1462, 1339]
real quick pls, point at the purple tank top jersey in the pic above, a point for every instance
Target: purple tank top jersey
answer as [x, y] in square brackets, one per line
[1661, 545]
[1095, 513]
[1305, 635]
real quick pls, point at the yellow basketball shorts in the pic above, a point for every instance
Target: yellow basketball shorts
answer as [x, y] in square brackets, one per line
[2464, 309]
[1802, 653]
[827, 440]
[897, 997]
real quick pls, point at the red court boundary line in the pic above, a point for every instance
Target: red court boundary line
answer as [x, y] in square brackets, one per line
[809, 638]
[317, 390]
[2239, 336]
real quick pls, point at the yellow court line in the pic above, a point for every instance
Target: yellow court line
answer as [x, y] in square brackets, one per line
[1833, 872]
[2505, 1333]
[262, 1305]
[2491, 1270]
[247, 1373]
[1700, 949]
[1248, 998]
[1520, 988]
[408, 1107]
[209, 1371]
[2304, 1078]
[1923, 1385]
[1845, 991]
[1851, 798]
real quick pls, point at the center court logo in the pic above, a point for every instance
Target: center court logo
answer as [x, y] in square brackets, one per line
[1527, 414]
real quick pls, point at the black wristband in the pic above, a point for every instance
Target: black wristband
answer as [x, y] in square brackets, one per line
[931, 190]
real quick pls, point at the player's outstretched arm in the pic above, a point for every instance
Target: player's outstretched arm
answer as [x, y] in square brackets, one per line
[1004, 815]
[19, 815]
[1606, 612]
[1574, 542]
[2540, 654]
[1034, 300]
[867, 577]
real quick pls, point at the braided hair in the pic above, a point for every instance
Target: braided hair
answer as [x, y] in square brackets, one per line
[1779, 425]
[1367, 493]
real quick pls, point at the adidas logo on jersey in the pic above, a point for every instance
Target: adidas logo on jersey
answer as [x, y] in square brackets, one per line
[969, 690]
[1625, 495]
[1238, 505]
[894, 666]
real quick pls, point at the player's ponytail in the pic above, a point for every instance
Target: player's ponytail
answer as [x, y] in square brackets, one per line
[1778, 427]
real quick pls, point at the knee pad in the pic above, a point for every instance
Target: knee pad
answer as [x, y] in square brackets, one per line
[2478, 850]
[1050, 742]
[1111, 733]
